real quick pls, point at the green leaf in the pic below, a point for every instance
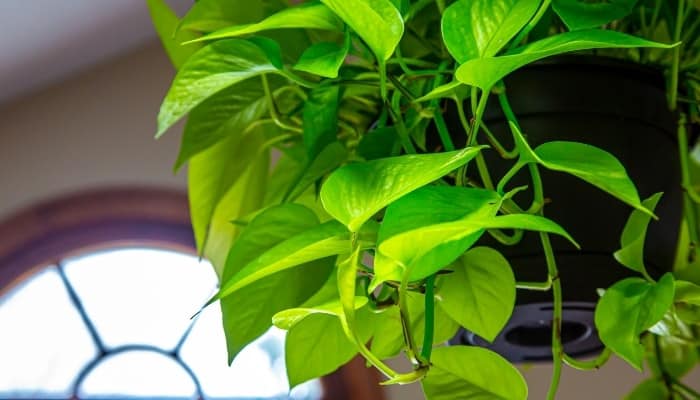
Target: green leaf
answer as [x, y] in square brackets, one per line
[247, 315]
[226, 113]
[678, 358]
[462, 372]
[328, 160]
[424, 251]
[595, 166]
[480, 293]
[320, 115]
[355, 192]
[485, 72]
[210, 15]
[379, 143]
[317, 346]
[324, 59]
[687, 292]
[578, 14]
[631, 253]
[628, 308]
[244, 197]
[650, 389]
[306, 16]
[210, 70]
[431, 205]
[388, 338]
[480, 28]
[377, 22]
[287, 319]
[454, 89]
[166, 22]
[322, 241]
[212, 173]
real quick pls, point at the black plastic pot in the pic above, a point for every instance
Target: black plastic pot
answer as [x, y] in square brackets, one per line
[621, 108]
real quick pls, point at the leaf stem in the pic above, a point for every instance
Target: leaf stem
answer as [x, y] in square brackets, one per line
[273, 108]
[536, 286]
[673, 85]
[428, 334]
[405, 315]
[588, 364]
[531, 24]
[553, 273]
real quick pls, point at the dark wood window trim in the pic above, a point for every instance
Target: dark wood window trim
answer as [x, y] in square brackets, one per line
[86, 221]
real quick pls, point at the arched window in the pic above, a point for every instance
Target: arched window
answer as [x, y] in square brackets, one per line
[96, 294]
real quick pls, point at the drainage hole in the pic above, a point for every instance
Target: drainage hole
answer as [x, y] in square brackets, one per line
[539, 334]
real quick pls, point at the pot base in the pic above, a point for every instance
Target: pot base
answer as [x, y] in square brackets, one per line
[528, 335]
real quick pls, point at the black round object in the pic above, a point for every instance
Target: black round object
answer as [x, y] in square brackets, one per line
[621, 108]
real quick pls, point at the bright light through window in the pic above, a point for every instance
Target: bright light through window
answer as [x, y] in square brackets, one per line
[117, 324]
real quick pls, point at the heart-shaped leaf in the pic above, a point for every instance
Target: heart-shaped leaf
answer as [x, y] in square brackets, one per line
[355, 192]
[322, 241]
[424, 251]
[650, 389]
[213, 173]
[317, 346]
[286, 319]
[631, 253]
[480, 28]
[324, 59]
[462, 372]
[224, 114]
[627, 309]
[210, 15]
[305, 16]
[578, 14]
[247, 315]
[210, 70]
[432, 205]
[480, 293]
[377, 22]
[320, 115]
[687, 292]
[593, 165]
[166, 22]
[485, 72]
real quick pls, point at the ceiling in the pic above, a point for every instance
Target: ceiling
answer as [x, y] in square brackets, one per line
[45, 41]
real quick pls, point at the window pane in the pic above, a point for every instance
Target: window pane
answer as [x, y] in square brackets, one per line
[43, 341]
[138, 373]
[143, 296]
[258, 371]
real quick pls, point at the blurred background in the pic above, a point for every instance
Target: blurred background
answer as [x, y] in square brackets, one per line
[97, 277]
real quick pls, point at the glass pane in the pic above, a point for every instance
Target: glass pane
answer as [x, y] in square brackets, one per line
[138, 374]
[43, 342]
[143, 296]
[258, 372]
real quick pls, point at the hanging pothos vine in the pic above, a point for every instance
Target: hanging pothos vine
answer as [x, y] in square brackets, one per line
[325, 214]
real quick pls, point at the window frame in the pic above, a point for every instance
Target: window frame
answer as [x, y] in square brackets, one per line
[99, 219]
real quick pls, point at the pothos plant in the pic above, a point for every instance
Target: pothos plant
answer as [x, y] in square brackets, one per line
[324, 212]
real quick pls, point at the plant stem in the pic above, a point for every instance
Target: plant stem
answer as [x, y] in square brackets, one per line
[588, 364]
[531, 24]
[500, 149]
[273, 108]
[428, 334]
[401, 130]
[405, 315]
[481, 106]
[687, 389]
[673, 86]
[553, 273]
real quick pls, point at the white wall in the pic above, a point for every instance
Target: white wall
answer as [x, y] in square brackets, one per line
[96, 130]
